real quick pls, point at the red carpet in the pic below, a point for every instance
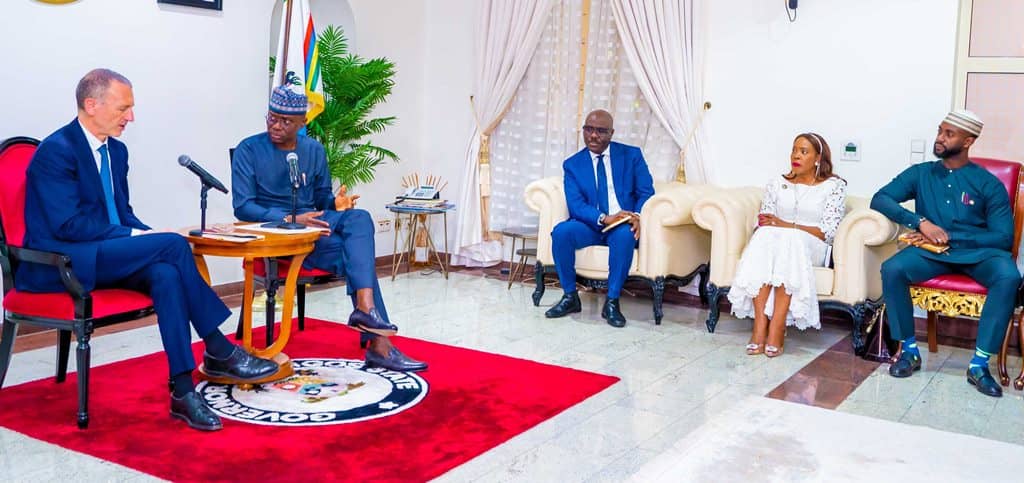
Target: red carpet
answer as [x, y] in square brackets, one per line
[476, 401]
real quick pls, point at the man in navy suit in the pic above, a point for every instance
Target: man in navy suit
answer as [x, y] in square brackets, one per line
[261, 191]
[76, 203]
[604, 183]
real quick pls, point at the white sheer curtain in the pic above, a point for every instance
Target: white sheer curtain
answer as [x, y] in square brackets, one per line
[508, 35]
[541, 128]
[664, 45]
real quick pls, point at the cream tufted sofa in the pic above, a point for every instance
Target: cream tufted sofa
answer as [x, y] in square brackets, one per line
[864, 240]
[672, 248]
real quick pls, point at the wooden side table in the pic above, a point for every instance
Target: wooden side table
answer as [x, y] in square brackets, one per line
[516, 234]
[294, 245]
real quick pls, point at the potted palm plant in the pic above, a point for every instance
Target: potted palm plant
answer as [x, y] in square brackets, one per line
[352, 86]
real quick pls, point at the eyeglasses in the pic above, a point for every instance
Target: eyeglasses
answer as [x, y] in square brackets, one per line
[588, 129]
[283, 121]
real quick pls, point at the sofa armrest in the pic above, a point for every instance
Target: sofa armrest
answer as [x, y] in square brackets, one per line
[546, 197]
[864, 240]
[670, 242]
[730, 215]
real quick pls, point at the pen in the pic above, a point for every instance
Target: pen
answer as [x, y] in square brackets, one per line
[303, 179]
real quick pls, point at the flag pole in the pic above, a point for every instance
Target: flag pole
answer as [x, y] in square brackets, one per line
[283, 61]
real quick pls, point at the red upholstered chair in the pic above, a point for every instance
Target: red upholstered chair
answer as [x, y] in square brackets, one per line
[270, 272]
[956, 295]
[74, 310]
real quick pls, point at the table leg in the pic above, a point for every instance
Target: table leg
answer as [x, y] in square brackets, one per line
[286, 313]
[511, 263]
[413, 227]
[447, 266]
[396, 258]
[433, 248]
[204, 271]
[247, 264]
[270, 286]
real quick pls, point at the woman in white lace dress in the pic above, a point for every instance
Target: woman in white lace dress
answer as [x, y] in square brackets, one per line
[799, 216]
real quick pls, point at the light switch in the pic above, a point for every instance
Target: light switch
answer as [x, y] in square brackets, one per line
[916, 158]
[917, 145]
[850, 151]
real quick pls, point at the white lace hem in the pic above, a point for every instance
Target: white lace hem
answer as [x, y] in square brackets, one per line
[779, 257]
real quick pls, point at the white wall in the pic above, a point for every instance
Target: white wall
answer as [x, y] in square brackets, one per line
[432, 44]
[878, 71]
[451, 69]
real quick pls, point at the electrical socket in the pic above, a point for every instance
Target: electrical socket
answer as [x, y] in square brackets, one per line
[384, 225]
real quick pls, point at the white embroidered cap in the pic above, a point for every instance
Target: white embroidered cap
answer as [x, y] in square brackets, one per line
[966, 120]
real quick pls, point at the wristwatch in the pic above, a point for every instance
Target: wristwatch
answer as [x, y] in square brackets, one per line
[922, 220]
[600, 219]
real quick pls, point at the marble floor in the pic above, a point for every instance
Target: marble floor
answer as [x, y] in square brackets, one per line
[677, 381]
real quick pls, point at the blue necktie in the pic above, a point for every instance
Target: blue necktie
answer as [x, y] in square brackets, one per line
[108, 186]
[602, 186]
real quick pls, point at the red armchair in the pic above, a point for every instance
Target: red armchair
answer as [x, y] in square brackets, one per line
[73, 311]
[956, 295]
[269, 273]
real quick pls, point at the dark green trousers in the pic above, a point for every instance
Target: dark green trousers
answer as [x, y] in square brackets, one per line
[998, 274]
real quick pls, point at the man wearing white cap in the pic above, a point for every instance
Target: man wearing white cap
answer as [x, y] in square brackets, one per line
[960, 205]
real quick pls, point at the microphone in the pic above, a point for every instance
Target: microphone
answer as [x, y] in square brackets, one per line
[293, 168]
[203, 175]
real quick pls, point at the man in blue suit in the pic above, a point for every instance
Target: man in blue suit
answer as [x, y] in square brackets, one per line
[76, 203]
[261, 191]
[604, 183]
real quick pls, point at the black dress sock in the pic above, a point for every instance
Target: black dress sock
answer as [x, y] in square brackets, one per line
[217, 345]
[182, 384]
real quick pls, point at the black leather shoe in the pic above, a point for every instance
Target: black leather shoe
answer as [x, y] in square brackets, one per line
[371, 322]
[193, 410]
[239, 365]
[982, 380]
[395, 361]
[612, 314]
[569, 304]
[905, 365]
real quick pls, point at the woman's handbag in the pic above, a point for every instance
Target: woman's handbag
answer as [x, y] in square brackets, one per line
[880, 347]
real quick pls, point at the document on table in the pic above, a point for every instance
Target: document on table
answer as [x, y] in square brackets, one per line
[280, 231]
[233, 237]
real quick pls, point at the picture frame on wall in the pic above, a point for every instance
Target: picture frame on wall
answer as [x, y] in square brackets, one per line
[207, 4]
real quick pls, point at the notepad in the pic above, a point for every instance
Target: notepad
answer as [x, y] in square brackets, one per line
[281, 231]
[233, 237]
[616, 223]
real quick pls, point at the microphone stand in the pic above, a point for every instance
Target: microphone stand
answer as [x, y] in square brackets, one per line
[292, 225]
[202, 209]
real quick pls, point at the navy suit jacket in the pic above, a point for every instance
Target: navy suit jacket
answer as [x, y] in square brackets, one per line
[65, 210]
[632, 180]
